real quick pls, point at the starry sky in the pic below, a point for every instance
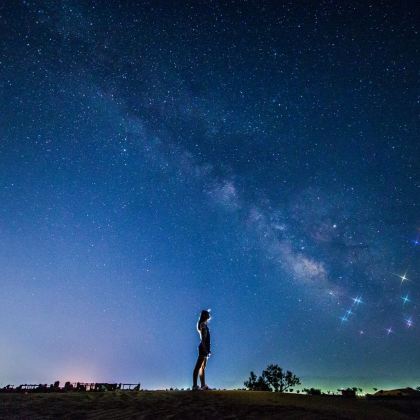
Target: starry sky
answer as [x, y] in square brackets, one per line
[257, 158]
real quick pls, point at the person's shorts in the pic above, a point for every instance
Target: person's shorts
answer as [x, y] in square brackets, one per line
[201, 351]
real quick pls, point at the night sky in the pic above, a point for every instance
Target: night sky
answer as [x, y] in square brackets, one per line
[257, 158]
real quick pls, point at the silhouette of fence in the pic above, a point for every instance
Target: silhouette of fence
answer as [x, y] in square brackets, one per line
[71, 387]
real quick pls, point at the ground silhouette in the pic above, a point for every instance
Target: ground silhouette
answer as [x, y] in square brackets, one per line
[202, 404]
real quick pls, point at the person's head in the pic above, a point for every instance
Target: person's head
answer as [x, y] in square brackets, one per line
[204, 317]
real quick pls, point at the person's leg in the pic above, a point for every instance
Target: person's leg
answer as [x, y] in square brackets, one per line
[197, 369]
[202, 372]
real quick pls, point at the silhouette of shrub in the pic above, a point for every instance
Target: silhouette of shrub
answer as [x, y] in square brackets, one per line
[273, 378]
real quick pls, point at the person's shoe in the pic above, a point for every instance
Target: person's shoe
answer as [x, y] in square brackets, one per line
[205, 388]
[195, 388]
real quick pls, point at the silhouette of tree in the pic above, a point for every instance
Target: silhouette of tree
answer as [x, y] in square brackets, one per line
[273, 378]
[256, 384]
[348, 392]
[278, 380]
[273, 375]
[262, 385]
[418, 388]
[251, 382]
[312, 391]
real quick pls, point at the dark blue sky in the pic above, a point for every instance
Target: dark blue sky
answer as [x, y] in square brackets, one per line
[255, 158]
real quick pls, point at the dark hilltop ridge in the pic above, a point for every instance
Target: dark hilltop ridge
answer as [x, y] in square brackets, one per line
[123, 401]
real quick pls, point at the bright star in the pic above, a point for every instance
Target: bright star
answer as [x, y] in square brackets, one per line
[405, 299]
[389, 330]
[357, 300]
[409, 322]
[403, 277]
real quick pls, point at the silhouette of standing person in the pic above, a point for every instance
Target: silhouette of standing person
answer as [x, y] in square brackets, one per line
[203, 350]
